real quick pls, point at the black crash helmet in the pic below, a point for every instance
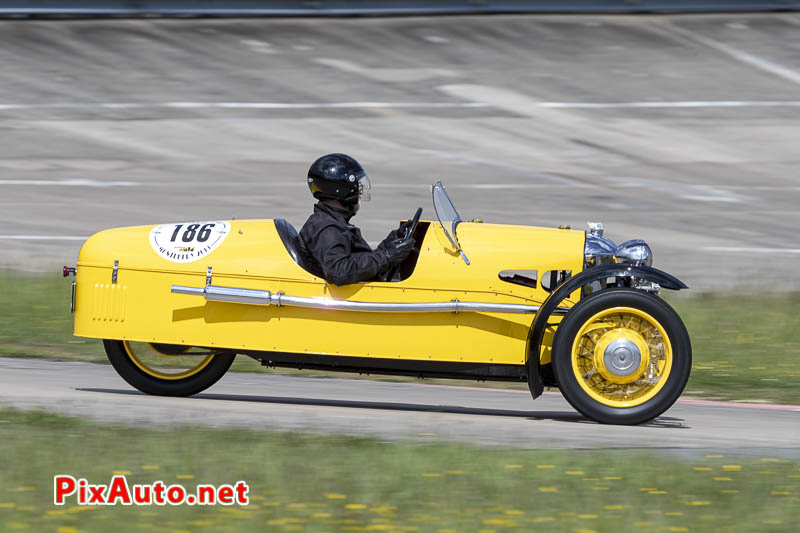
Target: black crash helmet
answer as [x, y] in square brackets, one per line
[338, 177]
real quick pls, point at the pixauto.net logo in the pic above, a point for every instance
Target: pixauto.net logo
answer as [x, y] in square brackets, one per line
[118, 492]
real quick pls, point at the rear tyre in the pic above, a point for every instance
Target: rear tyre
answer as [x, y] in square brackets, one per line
[168, 372]
[622, 356]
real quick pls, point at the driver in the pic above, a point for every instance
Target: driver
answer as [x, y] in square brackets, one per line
[338, 181]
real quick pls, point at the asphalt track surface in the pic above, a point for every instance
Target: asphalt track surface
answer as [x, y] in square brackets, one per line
[398, 411]
[681, 129]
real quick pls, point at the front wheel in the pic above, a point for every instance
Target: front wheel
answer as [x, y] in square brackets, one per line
[622, 356]
[166, 370]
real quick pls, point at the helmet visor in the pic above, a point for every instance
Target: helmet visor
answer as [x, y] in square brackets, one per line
[364, 188]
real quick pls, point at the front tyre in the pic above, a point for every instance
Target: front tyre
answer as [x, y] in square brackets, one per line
[622, 356]
[166, 371]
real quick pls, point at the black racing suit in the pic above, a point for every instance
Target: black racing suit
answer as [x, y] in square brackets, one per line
[338, 247]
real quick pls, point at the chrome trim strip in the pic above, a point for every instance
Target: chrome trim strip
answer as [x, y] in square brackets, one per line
[257, 297]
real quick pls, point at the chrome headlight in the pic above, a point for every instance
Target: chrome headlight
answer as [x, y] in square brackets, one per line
[599, 250]
[635, 251]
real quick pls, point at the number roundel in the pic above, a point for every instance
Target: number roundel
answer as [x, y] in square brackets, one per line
[188, 241]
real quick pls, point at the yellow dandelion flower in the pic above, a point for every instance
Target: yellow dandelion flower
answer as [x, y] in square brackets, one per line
[355, 506]
[66, 529]
[699, 502]
[456, 472]
[7, 505]
[647, 489]
[774, 493]
[545, 466]
[657, 492]
[26, 489]
[151, 467]
[714, 456]
[772, 522]
[335, 496]
[121, 472]
[612, 478]
[548, 489]
[587, 516]
[499, 522]
[614, 507]
[731, 468]
[574, 473]
[184, 476]
[431, 474]
[544, 519]
[584, 531]
[722, 479]
[703, 468]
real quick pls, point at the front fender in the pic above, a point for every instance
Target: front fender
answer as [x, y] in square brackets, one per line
[536, 333]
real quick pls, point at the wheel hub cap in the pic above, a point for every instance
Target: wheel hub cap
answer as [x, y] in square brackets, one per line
[621, 356]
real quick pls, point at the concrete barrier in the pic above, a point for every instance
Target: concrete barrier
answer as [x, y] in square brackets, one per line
[378, 7]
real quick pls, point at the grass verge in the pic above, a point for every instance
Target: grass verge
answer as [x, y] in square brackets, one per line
[314, 483]
[745, 346]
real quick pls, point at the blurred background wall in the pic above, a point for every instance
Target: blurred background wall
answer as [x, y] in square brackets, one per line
[310, 7]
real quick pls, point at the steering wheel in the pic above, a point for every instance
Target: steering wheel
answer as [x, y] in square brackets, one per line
[407, 234]
[414, 223]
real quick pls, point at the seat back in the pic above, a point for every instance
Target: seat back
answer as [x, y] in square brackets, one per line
[291, 240]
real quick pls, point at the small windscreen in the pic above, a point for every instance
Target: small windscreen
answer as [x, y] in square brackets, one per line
[446, 213]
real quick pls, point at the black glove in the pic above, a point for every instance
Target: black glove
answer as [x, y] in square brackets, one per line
[404, 228]
[396, 250]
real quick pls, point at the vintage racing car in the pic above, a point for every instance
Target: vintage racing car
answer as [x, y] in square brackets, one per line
[175, 303]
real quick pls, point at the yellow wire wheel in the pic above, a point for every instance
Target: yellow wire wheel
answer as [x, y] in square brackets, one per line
[162, 364]
[621, 356]
[167, 370]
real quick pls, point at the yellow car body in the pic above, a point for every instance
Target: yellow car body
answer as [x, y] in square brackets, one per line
[140, 306]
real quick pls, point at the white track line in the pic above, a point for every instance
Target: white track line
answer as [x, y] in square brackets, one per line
[247, 105]
[42, 238]
[669, 105]
[71, 183]
[404, 105]
[745, 250]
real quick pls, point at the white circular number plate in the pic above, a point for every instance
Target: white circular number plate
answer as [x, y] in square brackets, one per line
[188, 241]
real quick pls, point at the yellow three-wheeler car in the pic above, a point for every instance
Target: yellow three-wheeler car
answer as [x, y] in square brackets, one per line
[175, 304]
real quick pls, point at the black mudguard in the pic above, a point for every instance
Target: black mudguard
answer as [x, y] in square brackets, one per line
[536, 333]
